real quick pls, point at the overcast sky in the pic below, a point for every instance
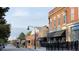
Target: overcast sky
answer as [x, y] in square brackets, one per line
[21, 17]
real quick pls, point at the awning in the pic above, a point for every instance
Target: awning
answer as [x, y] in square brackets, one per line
[43, 39]
[57, 34]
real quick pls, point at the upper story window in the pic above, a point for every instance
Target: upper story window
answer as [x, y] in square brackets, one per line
[58, 19]
[50, 24]
[54, 22]
[78, 12]
[64, 15]
[50, 20]
[72, 13]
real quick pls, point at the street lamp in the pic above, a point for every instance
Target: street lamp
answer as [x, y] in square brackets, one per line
[35, 35]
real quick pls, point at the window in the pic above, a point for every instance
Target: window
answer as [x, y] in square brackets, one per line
[58, 19]
[72, 13]
[28, 42]
[54, 23]
[65, 18]
[78, 13]
[50, 24]
[50, 20]
[75, 33]
[64, 15]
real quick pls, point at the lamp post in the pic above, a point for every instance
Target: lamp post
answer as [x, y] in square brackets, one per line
[35, 35]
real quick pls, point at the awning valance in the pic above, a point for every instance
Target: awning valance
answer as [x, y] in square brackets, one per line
[43, 39]
[57, 34]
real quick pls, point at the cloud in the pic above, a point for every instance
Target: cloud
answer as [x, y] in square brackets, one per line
[23, 17]
[20, 12]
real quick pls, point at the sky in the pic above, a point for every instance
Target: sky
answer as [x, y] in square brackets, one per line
[21, 17]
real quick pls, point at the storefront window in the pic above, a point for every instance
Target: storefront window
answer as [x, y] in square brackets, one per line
[75, 33]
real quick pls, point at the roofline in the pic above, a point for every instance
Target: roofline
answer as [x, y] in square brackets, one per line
[54, 11]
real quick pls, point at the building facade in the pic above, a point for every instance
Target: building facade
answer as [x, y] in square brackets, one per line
[42, 35]
[30, 41]
[64, 20]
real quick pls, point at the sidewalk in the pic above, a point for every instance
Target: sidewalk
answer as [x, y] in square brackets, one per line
[37, 49]
[41, 49]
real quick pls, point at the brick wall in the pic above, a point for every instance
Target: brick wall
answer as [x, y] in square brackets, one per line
[60, 10]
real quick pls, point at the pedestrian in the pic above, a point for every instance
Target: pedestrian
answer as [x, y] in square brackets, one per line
[24, 44]
[76, 45]
[72, 45]
[67, 45]
[17, 44]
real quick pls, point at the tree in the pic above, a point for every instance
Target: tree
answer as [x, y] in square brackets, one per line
[4, 27]
[21, 36]
[29, 33]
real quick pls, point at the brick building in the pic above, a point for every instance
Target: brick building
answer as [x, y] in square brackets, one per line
[30, 41]
[41, 37]
[30, 38]
[64, 23]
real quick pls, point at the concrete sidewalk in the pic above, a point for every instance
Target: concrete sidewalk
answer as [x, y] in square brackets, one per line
[39, 49]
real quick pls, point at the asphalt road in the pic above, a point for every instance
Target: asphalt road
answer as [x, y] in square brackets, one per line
[10, 47]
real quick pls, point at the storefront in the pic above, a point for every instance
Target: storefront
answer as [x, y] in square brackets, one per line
[43, 41]
[74, 37]
[56, 40]
[58, 36]
[75, 32]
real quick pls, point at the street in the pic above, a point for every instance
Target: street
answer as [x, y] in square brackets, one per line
[10, 47]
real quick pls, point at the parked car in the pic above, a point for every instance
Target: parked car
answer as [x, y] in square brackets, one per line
[1, 47]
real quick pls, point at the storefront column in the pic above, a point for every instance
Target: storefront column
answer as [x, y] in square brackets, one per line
[68, 38]
[68, 34]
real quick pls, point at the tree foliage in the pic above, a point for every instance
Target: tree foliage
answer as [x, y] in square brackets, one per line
[29, 33]
[4, 27]
[21, 36]
[4, 31]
